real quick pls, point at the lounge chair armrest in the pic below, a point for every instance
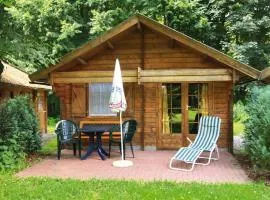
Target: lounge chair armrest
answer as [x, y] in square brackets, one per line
[214, 144]
[190, 142]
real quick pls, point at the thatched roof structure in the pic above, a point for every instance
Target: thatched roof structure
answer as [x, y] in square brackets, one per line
[13, 76]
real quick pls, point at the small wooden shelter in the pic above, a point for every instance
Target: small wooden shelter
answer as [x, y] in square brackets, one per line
[170, 80]
[15, 82]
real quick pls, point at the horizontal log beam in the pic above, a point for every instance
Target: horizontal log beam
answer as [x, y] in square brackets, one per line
[186, 72]
[177, 79]
[86, 74]
[140, 76]
[93, 80]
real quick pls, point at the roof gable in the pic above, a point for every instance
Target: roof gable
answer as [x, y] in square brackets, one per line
[140, 19]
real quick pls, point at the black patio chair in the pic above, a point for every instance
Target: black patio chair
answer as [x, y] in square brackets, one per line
[129, 129]
[67, 133]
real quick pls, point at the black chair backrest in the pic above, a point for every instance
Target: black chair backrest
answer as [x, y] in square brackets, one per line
[65, 129]
[129, 129]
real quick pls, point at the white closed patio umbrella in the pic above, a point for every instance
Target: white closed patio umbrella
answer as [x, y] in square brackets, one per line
[118, 104]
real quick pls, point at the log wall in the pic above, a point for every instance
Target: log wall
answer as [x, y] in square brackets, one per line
[158, 52]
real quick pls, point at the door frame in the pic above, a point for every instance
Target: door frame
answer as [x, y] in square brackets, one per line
[184, 107]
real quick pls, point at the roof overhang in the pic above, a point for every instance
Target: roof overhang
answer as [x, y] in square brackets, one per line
[12, 76]
[265, 75]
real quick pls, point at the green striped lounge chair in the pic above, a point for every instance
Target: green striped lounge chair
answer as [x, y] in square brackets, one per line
[206, 141]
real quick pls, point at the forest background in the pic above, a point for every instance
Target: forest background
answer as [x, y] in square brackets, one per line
[36, 33]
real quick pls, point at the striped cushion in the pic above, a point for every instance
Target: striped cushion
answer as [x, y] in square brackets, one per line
[187, 154]
[208, 133]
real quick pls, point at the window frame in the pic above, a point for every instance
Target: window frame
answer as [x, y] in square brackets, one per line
[199, 97]
[89, 102]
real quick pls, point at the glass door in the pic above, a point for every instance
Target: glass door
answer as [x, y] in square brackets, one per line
[171, 109]
[182, 105]
[197, 106]
[170, 134]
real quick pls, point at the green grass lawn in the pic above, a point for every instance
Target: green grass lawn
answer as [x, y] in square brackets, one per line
[47, 188]
[49, 148]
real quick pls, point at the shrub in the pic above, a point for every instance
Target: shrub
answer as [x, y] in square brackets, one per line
[18, 131]
[239, 113]
[257, 128]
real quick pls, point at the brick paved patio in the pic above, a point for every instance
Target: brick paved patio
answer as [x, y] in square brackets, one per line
[148, 165]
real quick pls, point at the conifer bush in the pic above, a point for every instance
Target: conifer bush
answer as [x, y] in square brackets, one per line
[257, 128]
[19, 131]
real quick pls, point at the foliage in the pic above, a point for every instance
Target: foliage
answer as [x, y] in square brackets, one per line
[53, 105]
[243, 91]
[49, 148]
[18, 131]
[188, 17]
[52, 121]
[238, 128]
[239, 116]
[48, 29]
[37, 33]
[257, 128]
[239, 113]
[248, 29]
[47, 188]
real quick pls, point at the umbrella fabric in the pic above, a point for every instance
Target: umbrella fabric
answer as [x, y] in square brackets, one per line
[117, 100]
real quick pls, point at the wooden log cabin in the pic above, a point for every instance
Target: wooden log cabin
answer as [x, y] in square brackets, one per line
[15, 82]
[170, 80]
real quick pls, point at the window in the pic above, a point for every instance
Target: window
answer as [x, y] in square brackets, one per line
[99, 97]
[172, 112]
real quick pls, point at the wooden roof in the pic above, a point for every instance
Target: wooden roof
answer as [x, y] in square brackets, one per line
[140, 19]
[265, 75]
[14, 76]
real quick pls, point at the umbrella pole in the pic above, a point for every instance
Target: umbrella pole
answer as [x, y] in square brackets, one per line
[122, 162]
[121, 130]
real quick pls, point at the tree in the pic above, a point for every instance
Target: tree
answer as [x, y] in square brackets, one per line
[248, 27]
[36, 33]
[48, 29]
